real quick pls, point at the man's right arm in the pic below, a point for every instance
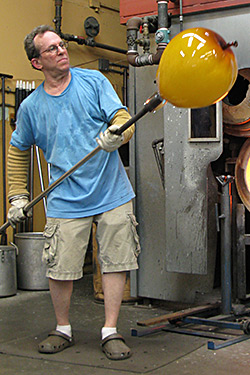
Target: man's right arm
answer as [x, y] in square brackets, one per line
[17, 175]
[17, 171]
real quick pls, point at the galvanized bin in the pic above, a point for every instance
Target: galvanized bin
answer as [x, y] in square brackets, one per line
[31, 271]
[8, 278]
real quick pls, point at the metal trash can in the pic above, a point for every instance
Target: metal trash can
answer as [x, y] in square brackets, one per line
[31, 271]
[8, 278]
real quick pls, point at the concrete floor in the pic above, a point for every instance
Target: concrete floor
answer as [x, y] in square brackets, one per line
[27, 317]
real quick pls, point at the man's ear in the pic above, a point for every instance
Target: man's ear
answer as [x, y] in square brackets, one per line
[36, 63]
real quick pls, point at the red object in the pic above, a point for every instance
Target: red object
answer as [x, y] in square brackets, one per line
[141, 8]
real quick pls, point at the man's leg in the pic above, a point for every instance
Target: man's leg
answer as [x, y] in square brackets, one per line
[66, 241]
[113, 344]
[60, 338]
[118, 249]
[113, 287]
[61, 292]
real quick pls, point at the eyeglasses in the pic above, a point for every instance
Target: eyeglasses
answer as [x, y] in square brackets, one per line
[53, 49]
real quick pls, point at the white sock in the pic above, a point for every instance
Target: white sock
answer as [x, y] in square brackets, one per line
[65, 329]
[107, 331]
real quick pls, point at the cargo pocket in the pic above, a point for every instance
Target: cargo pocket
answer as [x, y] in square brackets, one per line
[50, 244]
[135, 234]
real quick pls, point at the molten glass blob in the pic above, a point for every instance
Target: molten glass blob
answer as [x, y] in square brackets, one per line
[197, 69]
[247, 175]
[242, 173]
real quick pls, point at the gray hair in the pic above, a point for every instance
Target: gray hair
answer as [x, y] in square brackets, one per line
[29, 44]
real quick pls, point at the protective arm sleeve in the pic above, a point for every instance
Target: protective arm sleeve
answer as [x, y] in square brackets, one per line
[119, 119]
[17, 171]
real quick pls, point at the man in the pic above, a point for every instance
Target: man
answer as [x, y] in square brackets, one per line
[64, 117]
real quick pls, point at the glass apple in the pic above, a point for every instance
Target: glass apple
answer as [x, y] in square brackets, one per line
[197, 69]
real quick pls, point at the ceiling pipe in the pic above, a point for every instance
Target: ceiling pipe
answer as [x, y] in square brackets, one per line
[90, 42]
[161, 37]
[58, 16]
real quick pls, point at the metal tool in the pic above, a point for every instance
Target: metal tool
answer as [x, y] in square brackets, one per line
[158, 148]
[40, 172]
[150, 105]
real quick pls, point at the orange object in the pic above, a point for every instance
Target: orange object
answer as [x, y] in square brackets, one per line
[242, 174]
[197, 69]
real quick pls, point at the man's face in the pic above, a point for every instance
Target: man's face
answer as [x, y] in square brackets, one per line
[51, 61]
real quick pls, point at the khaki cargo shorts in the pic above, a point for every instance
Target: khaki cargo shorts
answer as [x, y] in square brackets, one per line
[66, 243]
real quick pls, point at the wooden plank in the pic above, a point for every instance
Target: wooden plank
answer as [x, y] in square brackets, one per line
[131, 8]
[178, 314]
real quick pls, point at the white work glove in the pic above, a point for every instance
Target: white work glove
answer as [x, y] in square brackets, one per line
[109, 141]
[15, 213]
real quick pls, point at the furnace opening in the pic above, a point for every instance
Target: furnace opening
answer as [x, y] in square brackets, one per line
[238, 92]
[236, 106]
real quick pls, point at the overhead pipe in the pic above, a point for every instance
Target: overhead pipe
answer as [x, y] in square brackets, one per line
[161, 37]
[58, 16]
[89, 42]
[181, 16]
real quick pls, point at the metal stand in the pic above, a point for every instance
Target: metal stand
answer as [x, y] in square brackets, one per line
[243, 240]
[183, 322]
[3, 77]
[226, 245]
[185, 325]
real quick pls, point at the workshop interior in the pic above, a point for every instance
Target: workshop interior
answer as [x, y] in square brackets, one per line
[189, 167]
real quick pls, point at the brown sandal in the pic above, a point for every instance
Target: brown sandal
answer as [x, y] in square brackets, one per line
[115, 348]
[55, 342]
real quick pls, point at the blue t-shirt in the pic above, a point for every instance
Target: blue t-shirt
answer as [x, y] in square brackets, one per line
[65, 127]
